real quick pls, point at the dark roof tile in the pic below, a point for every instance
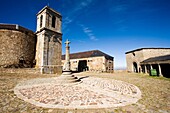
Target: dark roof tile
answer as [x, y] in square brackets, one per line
[87, 54]
[156, 59]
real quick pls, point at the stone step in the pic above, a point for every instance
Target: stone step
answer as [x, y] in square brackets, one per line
[68, 79]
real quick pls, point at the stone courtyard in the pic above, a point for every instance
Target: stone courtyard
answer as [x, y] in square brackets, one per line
[96, 93]
[91, 92]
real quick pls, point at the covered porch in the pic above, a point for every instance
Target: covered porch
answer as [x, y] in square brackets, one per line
[161, 64]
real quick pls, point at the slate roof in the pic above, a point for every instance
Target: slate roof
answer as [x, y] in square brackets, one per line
[143, 48]
[87, 54]
[157, 59]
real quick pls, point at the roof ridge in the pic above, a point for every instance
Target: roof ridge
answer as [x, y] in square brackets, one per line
[145, 48]
[84, 51]
[86, 54]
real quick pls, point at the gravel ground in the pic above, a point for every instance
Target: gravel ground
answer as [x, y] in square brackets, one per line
[155, 94]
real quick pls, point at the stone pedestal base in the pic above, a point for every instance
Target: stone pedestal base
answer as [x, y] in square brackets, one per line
[51, 69]
[69, 78]
[66, 73]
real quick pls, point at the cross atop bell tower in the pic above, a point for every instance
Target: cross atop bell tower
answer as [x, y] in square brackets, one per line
[49, 41]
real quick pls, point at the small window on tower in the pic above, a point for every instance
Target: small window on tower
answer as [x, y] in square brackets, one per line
[41, 19]
[53, 21]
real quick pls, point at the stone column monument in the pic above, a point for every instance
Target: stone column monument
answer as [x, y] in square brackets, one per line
[67, 70]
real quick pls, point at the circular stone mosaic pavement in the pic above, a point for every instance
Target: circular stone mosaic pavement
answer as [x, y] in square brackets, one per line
[91, 92]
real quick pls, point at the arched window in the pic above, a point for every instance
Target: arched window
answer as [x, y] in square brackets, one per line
[135, 67]
[41, 19]
[53, 21]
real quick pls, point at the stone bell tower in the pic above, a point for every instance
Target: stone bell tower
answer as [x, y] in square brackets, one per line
[49, 41]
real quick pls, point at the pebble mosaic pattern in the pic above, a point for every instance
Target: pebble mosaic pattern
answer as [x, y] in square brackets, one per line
[90, 93]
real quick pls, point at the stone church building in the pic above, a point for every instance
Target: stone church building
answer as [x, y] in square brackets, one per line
[95, 61]
[21, 47]
[42, 50]
[145, 59]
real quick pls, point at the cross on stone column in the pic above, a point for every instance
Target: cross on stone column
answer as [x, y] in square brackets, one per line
[67, 42]
[67, 51]
[67, 68]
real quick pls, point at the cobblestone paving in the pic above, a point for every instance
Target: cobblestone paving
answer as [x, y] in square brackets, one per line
[92, 92]
[155, 93]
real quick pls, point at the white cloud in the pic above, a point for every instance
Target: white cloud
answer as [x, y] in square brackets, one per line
[93, 38]
[83, 4]
[66, 21]
[72, 14]
[88, 32]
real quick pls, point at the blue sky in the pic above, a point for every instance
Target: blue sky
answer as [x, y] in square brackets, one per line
[112, 26]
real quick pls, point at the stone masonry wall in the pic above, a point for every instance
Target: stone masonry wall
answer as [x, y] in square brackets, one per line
[96, 64]
[109, 65]
[48, 53]
[148, 53]
[136, 56]
[15, 46]
[143, 54]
